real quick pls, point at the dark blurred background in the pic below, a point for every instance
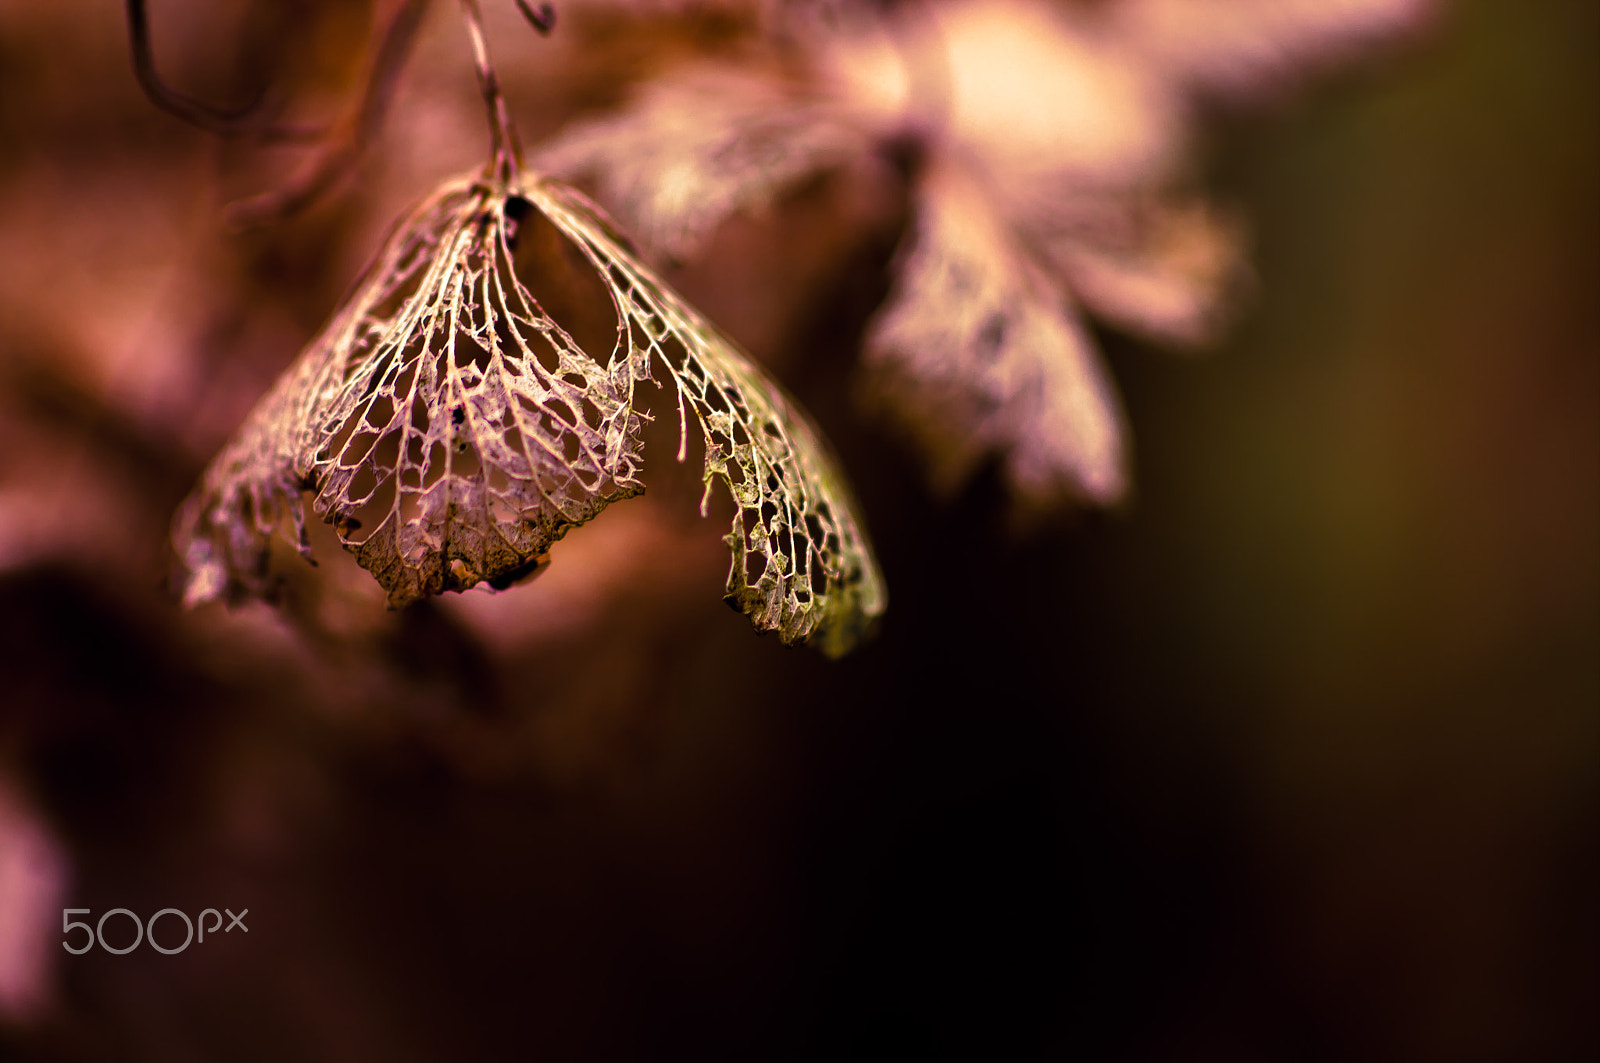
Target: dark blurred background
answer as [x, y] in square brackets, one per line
[1295, 758]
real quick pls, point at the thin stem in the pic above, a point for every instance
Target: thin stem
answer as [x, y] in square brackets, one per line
[507, 148]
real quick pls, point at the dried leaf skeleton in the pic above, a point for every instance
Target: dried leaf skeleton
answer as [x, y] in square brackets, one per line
[451, 429]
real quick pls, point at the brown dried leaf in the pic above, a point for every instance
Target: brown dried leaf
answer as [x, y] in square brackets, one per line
[976, 353]
[452, 429]
[1171, 272]
[802, 565]
[699, 145]
[1081, 119]
[1252, 50]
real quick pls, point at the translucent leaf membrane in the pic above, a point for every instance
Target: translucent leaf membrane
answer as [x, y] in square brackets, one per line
[452, 426]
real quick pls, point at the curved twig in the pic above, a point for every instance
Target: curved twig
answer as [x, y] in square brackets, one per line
[350, 137]
[344, 140]
[221, 121]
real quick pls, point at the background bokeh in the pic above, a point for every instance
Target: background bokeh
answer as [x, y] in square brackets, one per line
[1293, 758]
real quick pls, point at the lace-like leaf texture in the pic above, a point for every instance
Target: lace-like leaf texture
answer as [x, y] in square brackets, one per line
[451, 430]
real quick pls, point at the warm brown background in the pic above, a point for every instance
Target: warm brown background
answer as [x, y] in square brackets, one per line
[1296, 759]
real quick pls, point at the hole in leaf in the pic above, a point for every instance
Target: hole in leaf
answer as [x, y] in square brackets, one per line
[517, 208]
[568, 287]
[361, 485]
[464, 463]
[562, 411]
[469, 353]
[819, 575]
[357, 525]
[357, 449]
[407, 377]
[380, 411]
[340, 437]
[435, 466]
